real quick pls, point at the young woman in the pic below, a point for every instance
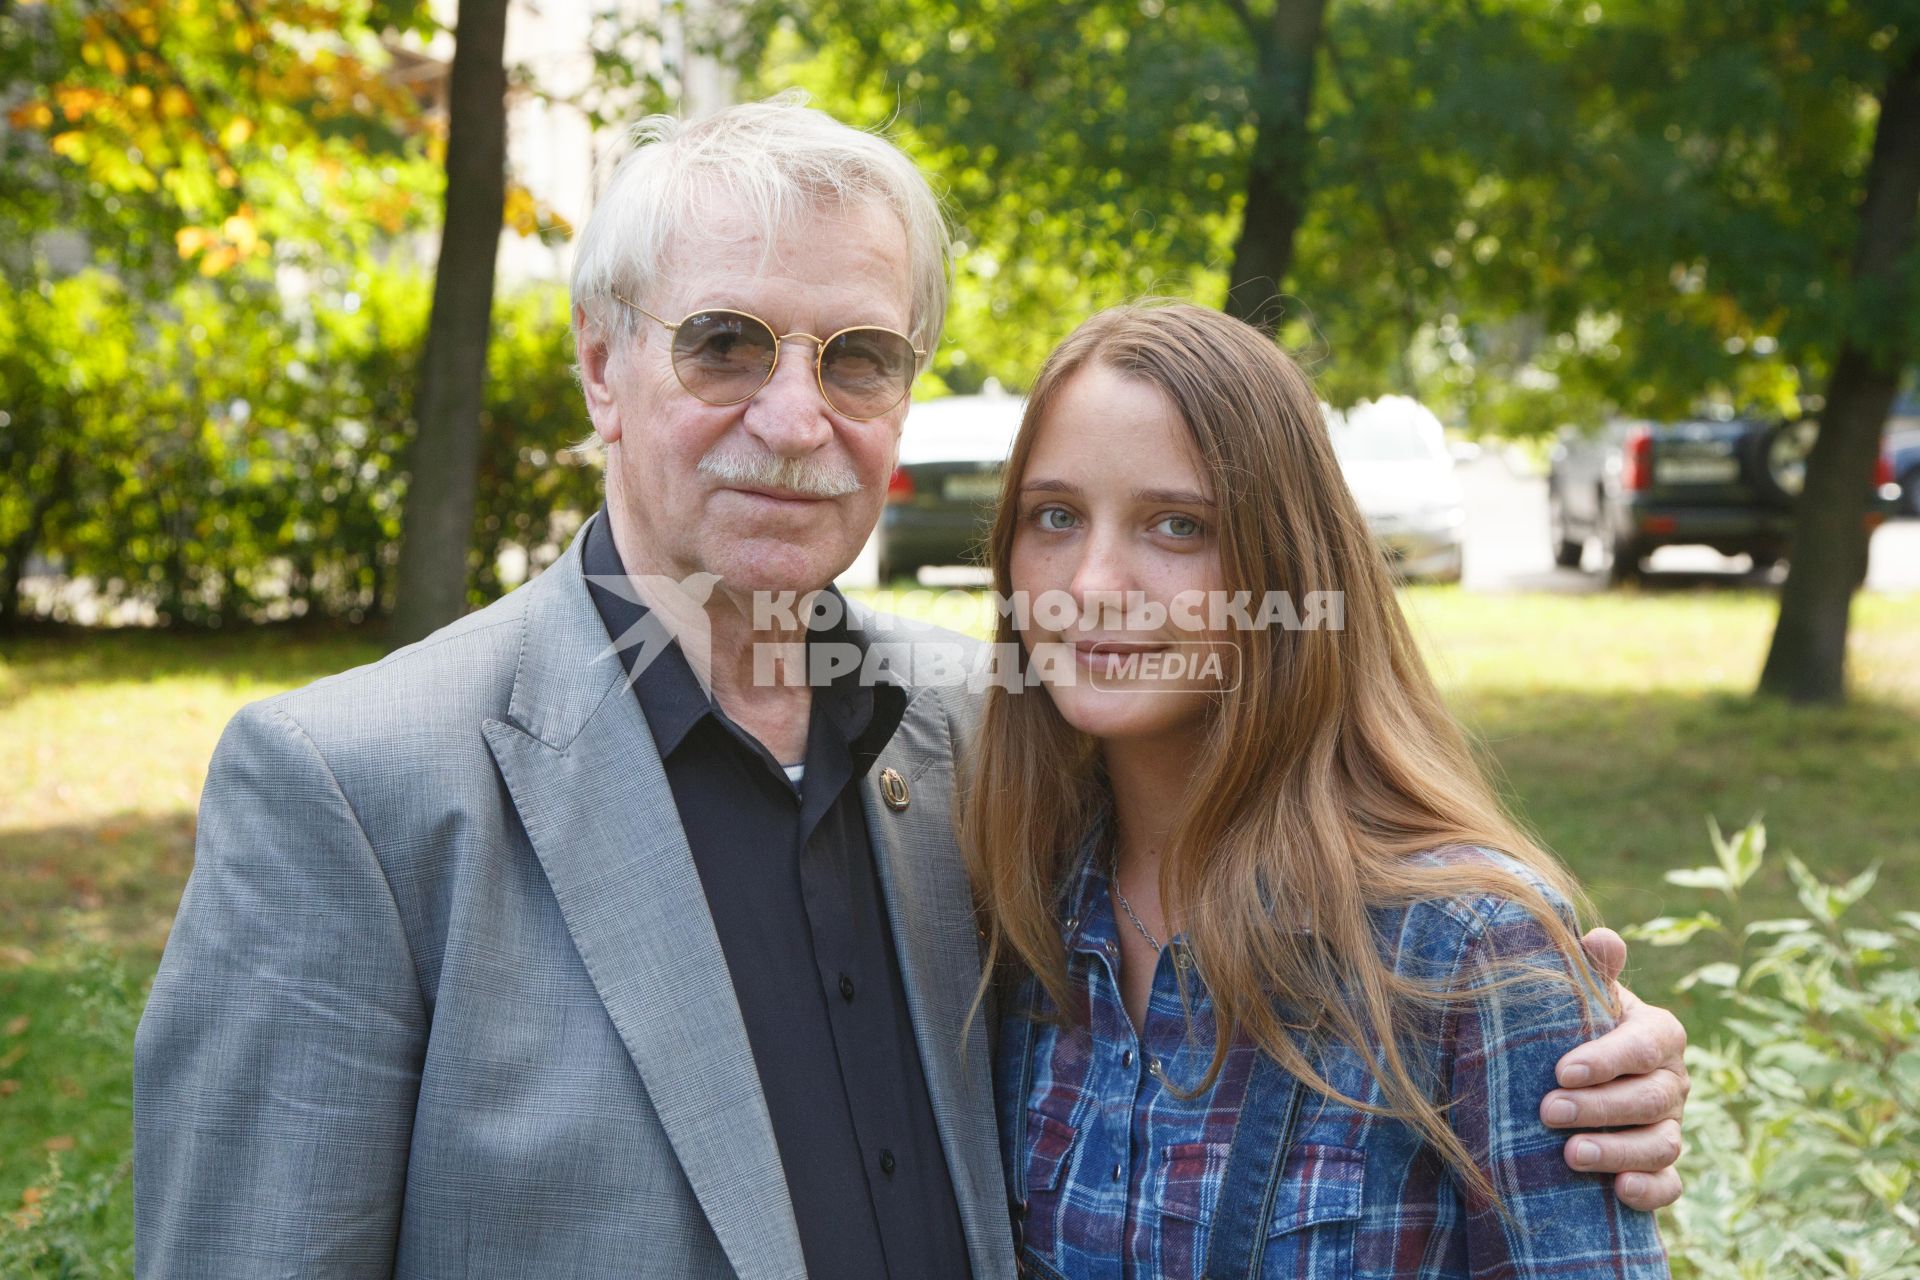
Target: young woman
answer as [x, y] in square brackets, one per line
[1280, 983]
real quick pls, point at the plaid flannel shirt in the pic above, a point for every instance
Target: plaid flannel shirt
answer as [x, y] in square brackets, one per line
[1116, 1176]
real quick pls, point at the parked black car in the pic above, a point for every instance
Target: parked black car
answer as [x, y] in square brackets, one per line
[1635, 485]
[946, 482]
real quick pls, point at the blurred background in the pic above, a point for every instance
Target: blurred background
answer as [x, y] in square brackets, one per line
[1613, 306]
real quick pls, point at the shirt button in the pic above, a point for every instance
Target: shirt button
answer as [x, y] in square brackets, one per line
[846, 988]
[1126, 1058]
[887, 1163]
[1118, 1173]
[1073, 922]
[1153, 1068]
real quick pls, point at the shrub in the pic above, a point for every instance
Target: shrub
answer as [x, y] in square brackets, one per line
[1803, 1129]
[62, 1227]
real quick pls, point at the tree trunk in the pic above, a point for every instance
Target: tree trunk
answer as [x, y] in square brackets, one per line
[438, 520]
[1285, 49]
[13, 560]
[1807, 659]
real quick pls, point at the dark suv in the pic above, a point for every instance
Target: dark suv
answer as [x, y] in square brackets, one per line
[1634, 486]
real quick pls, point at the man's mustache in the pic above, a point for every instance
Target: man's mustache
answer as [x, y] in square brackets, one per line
[811, 477]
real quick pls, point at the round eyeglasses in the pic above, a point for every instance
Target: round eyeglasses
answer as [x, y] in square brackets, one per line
[724, 356]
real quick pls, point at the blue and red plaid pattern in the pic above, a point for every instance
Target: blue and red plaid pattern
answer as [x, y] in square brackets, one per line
[1120, 1176]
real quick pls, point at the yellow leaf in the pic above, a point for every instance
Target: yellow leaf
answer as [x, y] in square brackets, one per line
[218, 260]
[520, 212]
[191, 240]
[116, 58]
[71, 144]
[238, 130]
[140, 96]
[31, 115]
[75, 101]
[174, 102]
[240, 231]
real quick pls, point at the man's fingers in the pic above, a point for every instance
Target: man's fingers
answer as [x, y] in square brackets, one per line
[1608, 951]
[1648, 1191]
[1638, 1100]
[1647, 1038]
[1645, 1150]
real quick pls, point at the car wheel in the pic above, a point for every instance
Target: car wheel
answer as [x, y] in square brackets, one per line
[1623, 564]
[1620, 558]
[1781, 458]
[1567, 552]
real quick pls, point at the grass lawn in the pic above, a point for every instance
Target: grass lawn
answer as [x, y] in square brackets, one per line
[1617, 723]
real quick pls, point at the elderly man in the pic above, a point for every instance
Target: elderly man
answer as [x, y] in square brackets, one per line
[503, 958]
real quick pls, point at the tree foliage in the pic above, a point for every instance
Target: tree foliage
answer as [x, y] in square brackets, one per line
[1526, 211]
[205, 134]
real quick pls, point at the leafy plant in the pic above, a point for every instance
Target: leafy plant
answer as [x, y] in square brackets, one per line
[58, 1229]
[1804, 1123]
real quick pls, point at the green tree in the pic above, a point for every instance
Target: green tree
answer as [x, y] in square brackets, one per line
[1807, 659]
[177, 180]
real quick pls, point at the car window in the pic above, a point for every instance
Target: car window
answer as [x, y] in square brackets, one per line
[1392, 429]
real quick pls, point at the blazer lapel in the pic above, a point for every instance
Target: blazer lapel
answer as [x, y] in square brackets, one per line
[586, 778]
[930, 907]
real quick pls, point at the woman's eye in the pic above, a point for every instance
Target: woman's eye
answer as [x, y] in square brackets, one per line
[1053, 518]
[1179, 526]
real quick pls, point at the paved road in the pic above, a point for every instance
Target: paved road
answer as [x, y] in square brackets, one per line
[1507, 550]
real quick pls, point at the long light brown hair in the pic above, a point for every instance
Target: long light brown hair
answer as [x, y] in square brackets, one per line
[1330, 762]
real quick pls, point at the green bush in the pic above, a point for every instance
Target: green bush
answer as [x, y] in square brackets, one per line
[62, 1228]
[233, 452]
[1803, 1129]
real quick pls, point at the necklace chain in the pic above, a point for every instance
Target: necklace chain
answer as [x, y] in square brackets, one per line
[1128, 906]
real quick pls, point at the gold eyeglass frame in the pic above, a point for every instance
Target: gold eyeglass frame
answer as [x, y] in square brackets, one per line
[819, 356]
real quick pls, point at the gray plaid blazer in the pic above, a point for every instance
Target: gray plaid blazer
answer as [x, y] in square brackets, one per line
[443, 997]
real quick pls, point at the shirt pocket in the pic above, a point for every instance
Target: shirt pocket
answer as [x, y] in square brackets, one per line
[1316, 1209]
[1049, 1150]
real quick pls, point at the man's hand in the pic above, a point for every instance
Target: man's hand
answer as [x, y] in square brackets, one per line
[1631, 1080]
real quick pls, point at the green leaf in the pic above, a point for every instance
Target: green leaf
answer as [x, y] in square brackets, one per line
[1856, 888]
[1702, 878]
[1815, 896]
[1792, 924]
[1671, 931]
[1719, 974]
[1741, 856]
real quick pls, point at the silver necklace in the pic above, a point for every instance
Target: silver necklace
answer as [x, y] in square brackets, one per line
[1128, 906]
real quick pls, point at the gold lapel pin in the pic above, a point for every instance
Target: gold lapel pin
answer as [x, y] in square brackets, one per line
[893, 789]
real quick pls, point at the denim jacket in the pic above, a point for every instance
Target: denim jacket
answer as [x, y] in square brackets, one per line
[1113, 1175]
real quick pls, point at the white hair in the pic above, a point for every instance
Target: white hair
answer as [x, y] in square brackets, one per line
[770, 162]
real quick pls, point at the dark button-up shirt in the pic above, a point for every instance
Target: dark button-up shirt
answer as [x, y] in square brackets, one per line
[789, 875]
